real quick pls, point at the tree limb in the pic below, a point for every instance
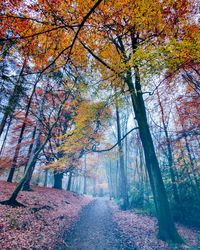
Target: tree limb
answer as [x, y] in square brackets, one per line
[108, 149]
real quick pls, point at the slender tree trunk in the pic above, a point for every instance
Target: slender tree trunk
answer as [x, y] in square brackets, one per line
[141, 176]
[46, 177]
[117, 184]
[38, 178]
[84, 185]
[196, 179]
[169, 155]
[85, 177]
[16, 154]
[72, 188]
[30, 148]
[37, 143]
[26, 186]
[94, 186]
[69, 181]
[30, 166]
[14, 164]
[110, 179]
[13, 101]
[123, 177]
[33, 158]
[167, 230]
[6, 135]
[12, 200]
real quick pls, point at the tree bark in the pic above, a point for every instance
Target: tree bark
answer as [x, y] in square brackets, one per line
[58, 176]
[26, 186]
[5, 137]
[169, 155]
[30, 148]
[85, 177]
[46, 177]
[69, 181]
[166, 230]
[33, 158]
[14, 164]
[123, 177]
[13, 101]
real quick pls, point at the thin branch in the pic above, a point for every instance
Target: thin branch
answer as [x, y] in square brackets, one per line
[108, 149]
[82, 24]
[97, 58]
[35, 34]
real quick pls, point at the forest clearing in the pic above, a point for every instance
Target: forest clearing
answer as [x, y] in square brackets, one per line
[99, 124]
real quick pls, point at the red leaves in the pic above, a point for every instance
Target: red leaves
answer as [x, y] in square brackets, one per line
[39, 91]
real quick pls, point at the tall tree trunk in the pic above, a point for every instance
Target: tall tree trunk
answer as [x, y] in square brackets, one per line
[13, 101]
[196, 178]
[169, 155]
[30, 148]
[167, 230]
[123, 177]
[46, 177]
[14, 164]
[117, 184]
[38, 178]
[141, 176]
[94, 186]
[58, 176]
[69, 181]
[12, 200]
[16, 154]
[26, 186]
[6, 135]
[34, 156]
[85, 177]
[110, 178]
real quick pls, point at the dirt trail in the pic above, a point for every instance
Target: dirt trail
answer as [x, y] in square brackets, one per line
[96, 230]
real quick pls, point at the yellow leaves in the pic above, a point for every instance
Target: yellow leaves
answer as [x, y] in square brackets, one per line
[50, 25]
[89, 120]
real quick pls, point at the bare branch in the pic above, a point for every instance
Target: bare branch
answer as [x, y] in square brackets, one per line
[109, 149]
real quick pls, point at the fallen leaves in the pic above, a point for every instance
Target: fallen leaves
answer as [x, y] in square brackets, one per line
[47, 215]
[142, 229]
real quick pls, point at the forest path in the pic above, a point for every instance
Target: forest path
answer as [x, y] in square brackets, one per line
[96, 230]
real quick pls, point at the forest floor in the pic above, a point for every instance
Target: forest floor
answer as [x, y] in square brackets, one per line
[61, 220]
[96, 230]
[41, 224]
[102, 226]
[142, 230]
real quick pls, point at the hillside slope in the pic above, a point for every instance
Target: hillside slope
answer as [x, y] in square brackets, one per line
[47, 215]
